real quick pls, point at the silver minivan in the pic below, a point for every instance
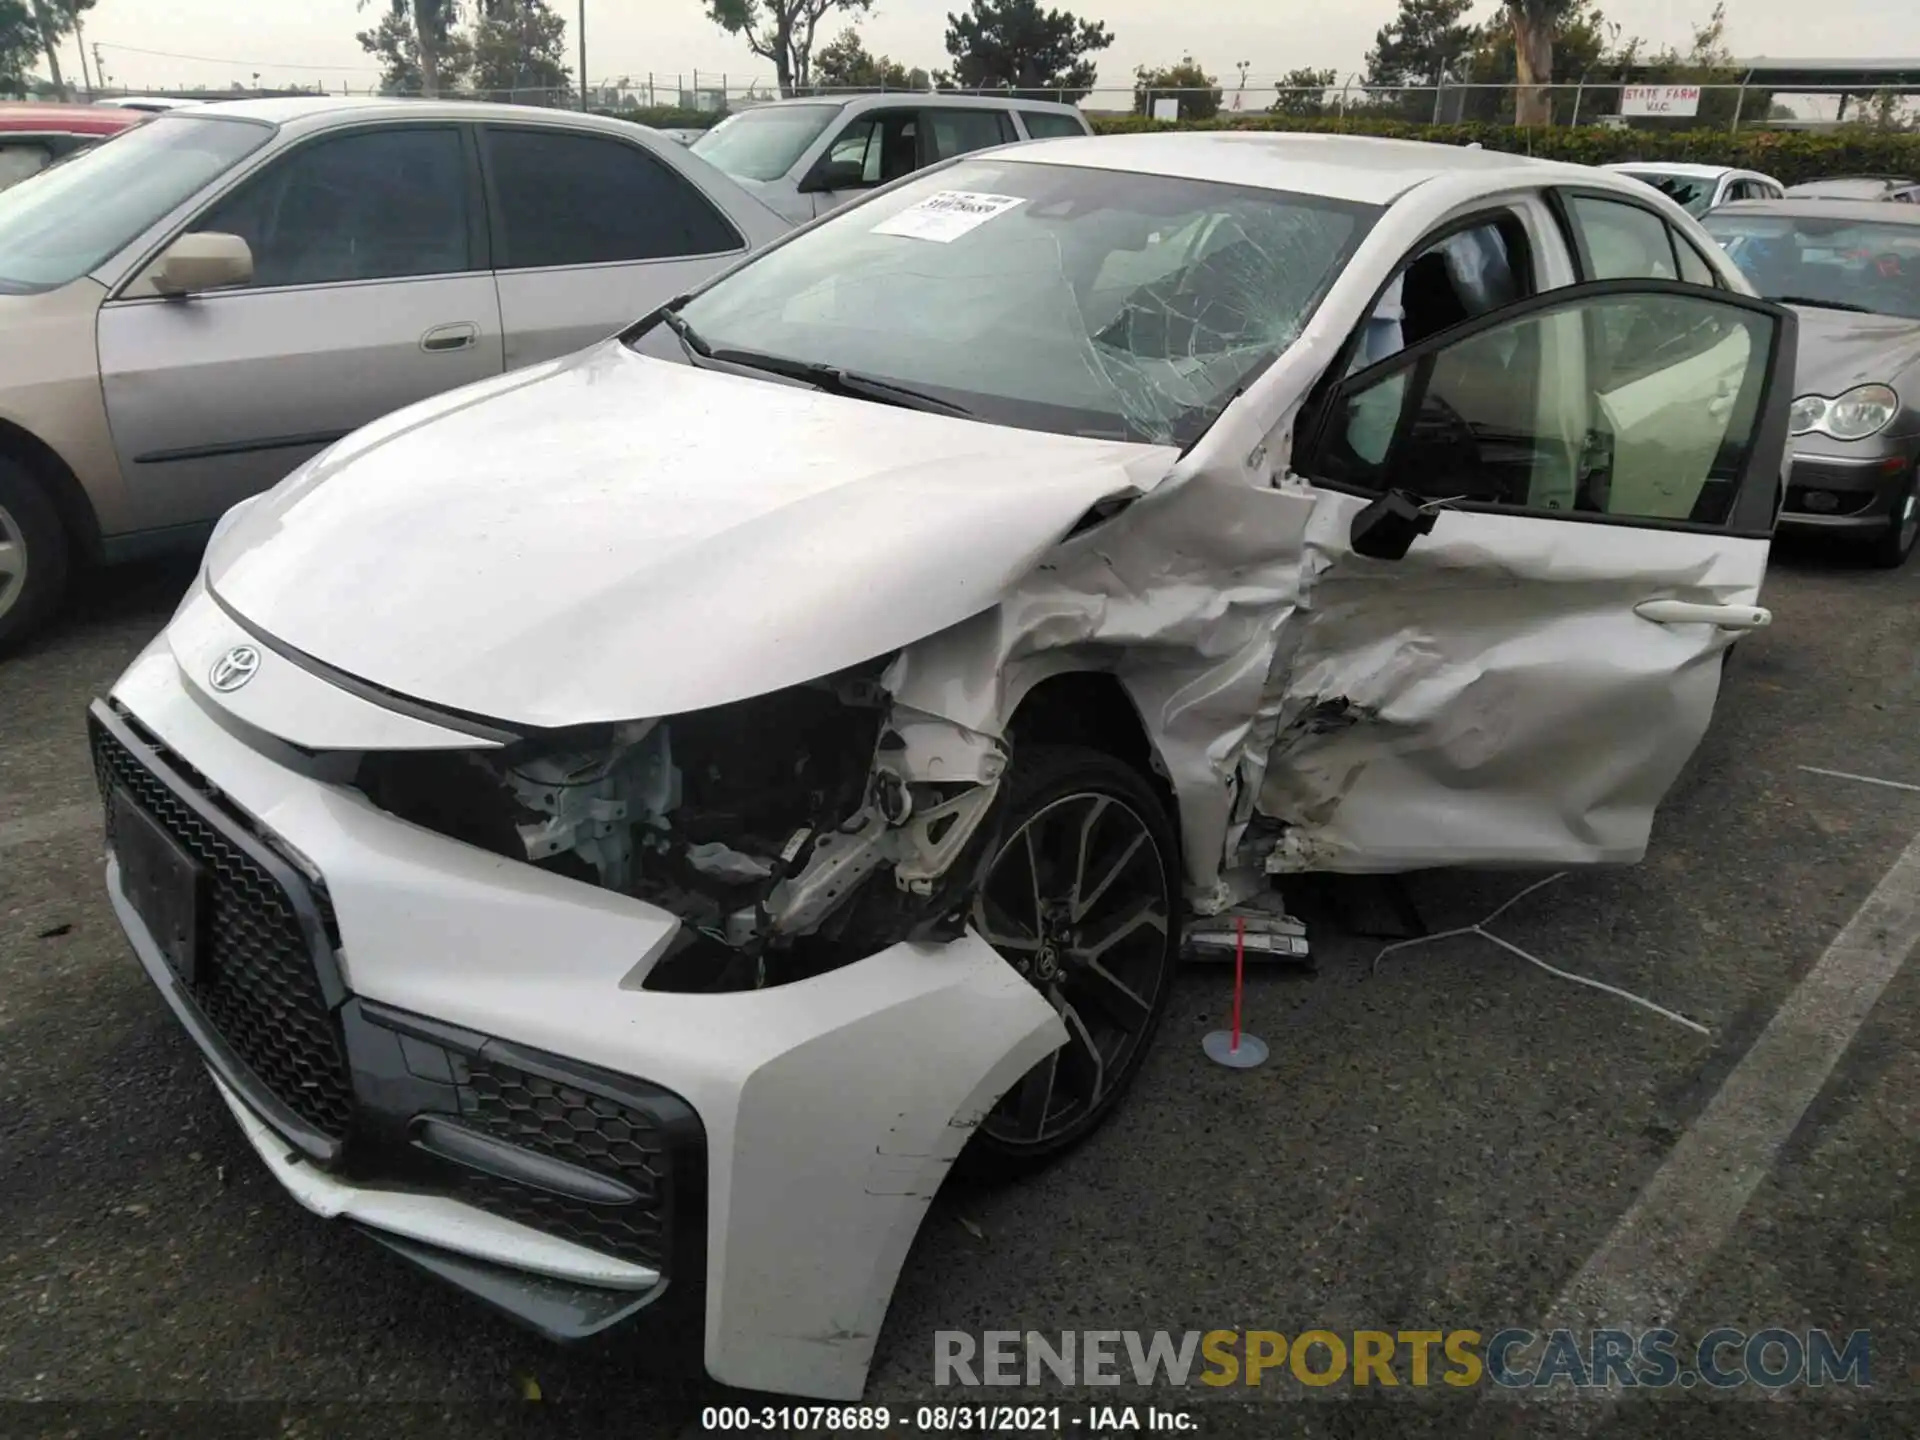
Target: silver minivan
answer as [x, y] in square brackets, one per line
[191, 310]
[804, 157]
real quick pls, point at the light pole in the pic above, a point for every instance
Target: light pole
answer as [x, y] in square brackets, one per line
[583, 54]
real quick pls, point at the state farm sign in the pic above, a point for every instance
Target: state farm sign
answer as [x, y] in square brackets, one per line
[1660, 100]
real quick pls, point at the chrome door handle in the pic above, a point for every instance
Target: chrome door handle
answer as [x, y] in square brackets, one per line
[1685, 612]
[463, 336]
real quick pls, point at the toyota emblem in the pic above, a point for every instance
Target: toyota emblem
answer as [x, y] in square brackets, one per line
[235, 668]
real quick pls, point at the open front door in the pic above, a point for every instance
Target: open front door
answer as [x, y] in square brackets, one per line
[1524, 681]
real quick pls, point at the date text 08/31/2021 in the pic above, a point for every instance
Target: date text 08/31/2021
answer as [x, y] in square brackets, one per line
[1092, 1420]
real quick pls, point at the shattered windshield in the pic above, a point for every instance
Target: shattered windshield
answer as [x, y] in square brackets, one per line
[1082, 301]
[1692, 194]
[1834, 263]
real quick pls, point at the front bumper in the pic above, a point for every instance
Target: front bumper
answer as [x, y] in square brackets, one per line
[792, 1137]
[1848, 493]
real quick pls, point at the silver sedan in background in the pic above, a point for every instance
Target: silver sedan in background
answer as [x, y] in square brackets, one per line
[203, 303]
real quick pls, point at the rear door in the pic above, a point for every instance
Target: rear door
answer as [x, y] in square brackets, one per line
[370, 291]
[1526, 681]
[591, 231]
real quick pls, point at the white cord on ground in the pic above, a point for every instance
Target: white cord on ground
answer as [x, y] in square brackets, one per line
[1480, 930]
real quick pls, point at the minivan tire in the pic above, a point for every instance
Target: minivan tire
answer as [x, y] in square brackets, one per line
[34, 554]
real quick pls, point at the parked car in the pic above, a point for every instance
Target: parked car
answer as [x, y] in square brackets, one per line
[616, 832]
[33, 136]
[1901, 189]
[205, 302]
[153, 104]
[804, 157]
[1699, 188]
[1852, 270]
[682, 135]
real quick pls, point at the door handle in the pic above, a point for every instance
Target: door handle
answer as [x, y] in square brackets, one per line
[1685, 612]
[462, 336]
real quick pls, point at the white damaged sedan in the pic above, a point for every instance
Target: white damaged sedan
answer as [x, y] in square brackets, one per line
[617, 833]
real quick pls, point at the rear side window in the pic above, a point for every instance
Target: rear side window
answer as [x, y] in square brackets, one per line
[569, 199]
[1046, 125]
[1617, 241]
[956, 132]
[18, 161]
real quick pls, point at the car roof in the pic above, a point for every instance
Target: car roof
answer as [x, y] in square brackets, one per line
[895, 97]
[67, 119]
[1361, 168]
[1866, 212]
[320, 111]
[1679, 167]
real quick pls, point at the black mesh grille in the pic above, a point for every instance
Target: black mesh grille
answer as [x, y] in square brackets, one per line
[586, 1130]
[256, 982]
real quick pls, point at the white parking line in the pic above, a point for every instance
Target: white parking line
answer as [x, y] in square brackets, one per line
[1863, 779]
[50, 826]
[1646, 1268]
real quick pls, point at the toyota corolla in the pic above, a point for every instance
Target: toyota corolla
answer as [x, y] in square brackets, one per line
[619, 833]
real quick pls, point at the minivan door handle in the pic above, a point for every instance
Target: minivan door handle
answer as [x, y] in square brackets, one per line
[1685, 612]
[462, 336]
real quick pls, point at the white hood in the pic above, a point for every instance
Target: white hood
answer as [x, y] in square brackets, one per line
[612, 537]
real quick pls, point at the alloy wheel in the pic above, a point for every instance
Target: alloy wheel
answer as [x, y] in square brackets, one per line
[1077, 901]
[13, 561]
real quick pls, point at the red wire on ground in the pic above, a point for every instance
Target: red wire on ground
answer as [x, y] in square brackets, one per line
[1239, 971]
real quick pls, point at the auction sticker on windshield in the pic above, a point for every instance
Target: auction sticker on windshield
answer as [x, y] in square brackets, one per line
[946, 215]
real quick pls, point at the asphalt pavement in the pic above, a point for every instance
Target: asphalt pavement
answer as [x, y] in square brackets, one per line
[1454, 1140]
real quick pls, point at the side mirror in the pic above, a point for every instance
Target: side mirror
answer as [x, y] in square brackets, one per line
[206, 261]
[1387, 528]
[835, 175]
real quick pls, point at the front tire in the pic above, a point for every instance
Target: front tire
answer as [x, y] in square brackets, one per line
[1081, 898]
[33, 555]
[1890, 550]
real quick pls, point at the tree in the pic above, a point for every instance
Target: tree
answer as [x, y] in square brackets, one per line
[19, 45]
[1585, 45]
[520, 45]
[1198, 92]
[1015, 45]
[845, 64]
[508, 47]
[1304, 92]
[1534, 23]
[52, 21]
[1420, 45]
[781, 31]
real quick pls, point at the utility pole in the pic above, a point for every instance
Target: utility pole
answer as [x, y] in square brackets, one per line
[80, 44]
[99, 66]
[583, 54]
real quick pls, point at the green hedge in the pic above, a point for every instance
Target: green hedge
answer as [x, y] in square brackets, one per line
[667, 117]
[1789, 156]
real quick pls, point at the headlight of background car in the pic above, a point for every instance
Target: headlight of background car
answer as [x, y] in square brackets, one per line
[1864, 410]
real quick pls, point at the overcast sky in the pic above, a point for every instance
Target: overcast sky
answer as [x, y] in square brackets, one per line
[304, 41]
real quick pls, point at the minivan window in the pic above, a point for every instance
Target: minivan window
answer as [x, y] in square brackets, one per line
[956, 131]
[1047, 125]
[764, 144]
[1076, 300]
[83, 211]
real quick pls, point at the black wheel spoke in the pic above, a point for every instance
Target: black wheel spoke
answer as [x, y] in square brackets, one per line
[1100, 989]
[1145, 914]
[1077, 900]
[1034, 1098]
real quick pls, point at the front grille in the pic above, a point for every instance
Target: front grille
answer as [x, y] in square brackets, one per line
[567, 1124]
[256, 981]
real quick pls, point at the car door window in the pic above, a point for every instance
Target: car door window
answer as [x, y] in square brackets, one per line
[1446, 282]
[1694, 268]
[18, 161]
[1639, 405]
[374, 205]
[563, 198]
[1046, 125]
[1618, 241]
[886, 144]
[956, 131]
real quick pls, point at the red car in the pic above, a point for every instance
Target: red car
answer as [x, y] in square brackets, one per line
[33, 136]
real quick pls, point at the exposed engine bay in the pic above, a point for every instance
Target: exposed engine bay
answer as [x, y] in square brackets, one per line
[791, 832]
